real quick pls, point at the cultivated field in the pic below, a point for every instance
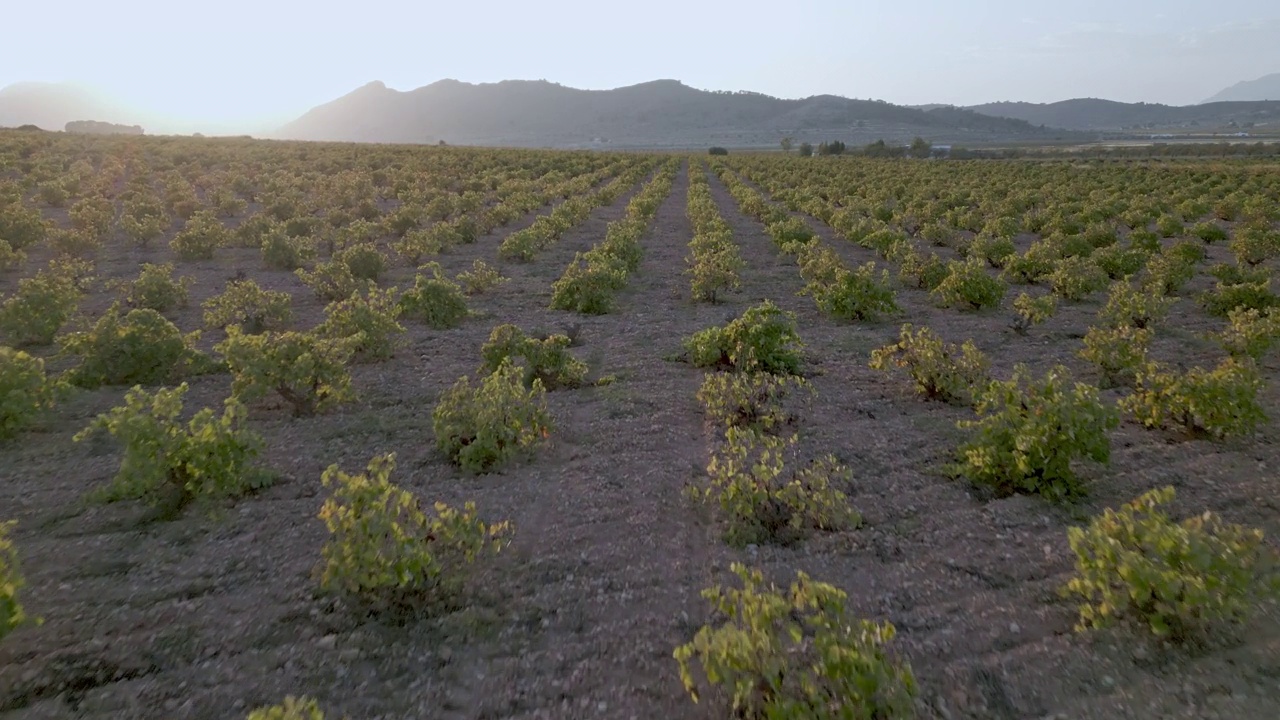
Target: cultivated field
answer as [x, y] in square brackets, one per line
[322, 302]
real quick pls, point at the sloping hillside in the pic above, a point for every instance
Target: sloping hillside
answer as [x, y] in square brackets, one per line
[1089, 114]
[1264, 88]
[662, 113]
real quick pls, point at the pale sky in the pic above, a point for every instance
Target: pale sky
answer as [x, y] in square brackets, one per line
[250, 65]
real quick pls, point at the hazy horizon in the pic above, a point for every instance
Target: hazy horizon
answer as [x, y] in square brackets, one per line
[251, 67]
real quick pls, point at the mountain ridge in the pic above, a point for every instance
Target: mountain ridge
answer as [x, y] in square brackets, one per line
[657, 113]
[1098, 115]
[1266, 87]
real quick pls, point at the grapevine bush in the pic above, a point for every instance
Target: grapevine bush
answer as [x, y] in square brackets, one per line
[170, 465]
[309, 372]
[383, 546]
[25, 391]
[753, 401]
[41, 306]
[1178, 579]
[762, 339]
[754, 480]
[435, 300]
[941, 371]
[796, 654]
[300, 708]
[141, 347]
[480, 426]
[1221, 402]
[545, 361]
[1029, 431]
[367, 322]
[247, 305]
[11, 582]
[156, 289]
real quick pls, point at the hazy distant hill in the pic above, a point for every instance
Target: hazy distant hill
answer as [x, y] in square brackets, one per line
[51, 106]
[1105, 115]
[1264, 88]
[662, 113]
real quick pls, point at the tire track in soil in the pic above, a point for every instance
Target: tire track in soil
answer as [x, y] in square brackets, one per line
[900, 566]
[614, 547]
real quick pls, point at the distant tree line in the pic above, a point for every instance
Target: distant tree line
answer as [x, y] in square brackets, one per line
[93, 127]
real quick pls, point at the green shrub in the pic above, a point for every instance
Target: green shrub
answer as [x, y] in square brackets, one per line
[1168, 273]
[752, 401]
[1255, 244]
[923, 270]
[968, 285]
[762, 339]
[480, 278]
[1076, 278]
[1209, 232]
[941, 371]
[144, 220]
[155, 289]
[715, 269]
[1030, 430]
[1219, 402]
[142, 347]
[1031, 266]
[25, 391]
[1169, 226]
[1177, 578]
[1119, 262]
[257, 229]
[41, 306]
[1220, 301]
[73, 243]
[1251, 333]
[309, 372]
[22, 226]
[10, 258]
[200, 237]
[383, 546]
[796, 654]
[1129, 305]
[765, 498]
[246, 304]
[1032, 311]
[367, 321]
[481, 426]
[789, 230]
[992, 250]
[302, 708]
[332, 281]
[547, 361]
[1145, 241]
[858, 294]
[1120, 352]
[363, 260]
[281, 251]
[1188, 251]
[11, 614]
[170, 465]
[587, 288]
[422, 242]
[1227, 274]
[435, 301]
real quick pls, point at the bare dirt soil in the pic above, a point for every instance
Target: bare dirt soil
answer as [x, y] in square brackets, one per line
[207, 617]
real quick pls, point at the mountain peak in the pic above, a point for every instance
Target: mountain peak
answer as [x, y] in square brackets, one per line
[1266, 87]
[657, 113]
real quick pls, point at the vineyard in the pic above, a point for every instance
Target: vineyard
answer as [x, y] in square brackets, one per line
[298, 430]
